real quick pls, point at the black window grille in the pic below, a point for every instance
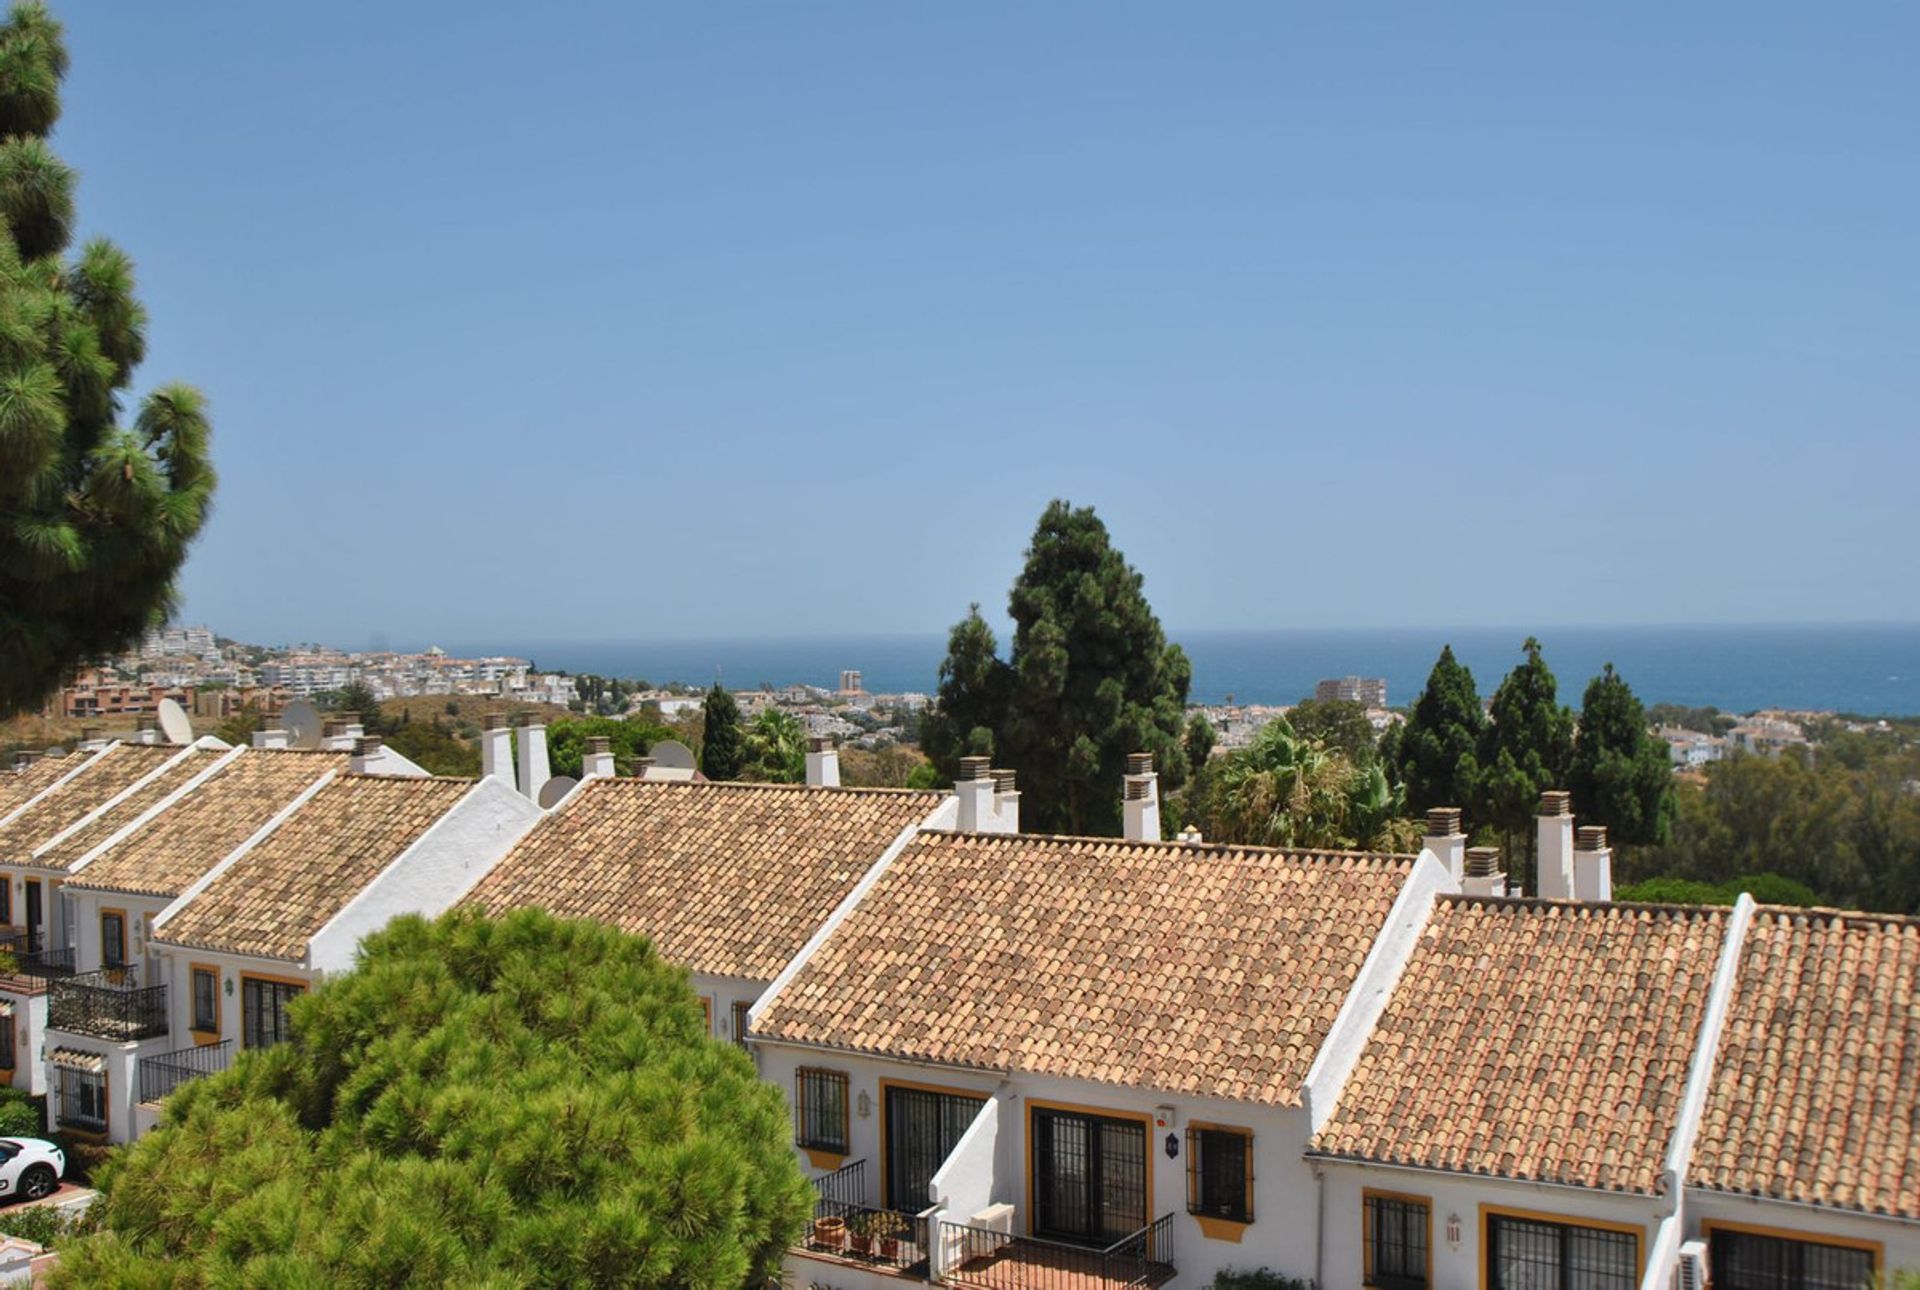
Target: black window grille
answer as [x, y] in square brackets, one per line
[1397, 1231]
[1752, 1261]
[206, 999]
[6, 899]
[820, 1109]
[740, 1011]
[6, 1043]
[264, 1011]
[1526, 1253]
[82, 1098]
[1220, 1173]
[923, 1127]
[113, 940]
[1089, 1177]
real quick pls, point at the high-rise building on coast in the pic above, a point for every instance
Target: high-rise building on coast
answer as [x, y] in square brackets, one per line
[1368, 690]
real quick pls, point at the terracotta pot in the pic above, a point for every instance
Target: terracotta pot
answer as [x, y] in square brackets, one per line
[830, 1232]
[890, 1247]
[862, 1243]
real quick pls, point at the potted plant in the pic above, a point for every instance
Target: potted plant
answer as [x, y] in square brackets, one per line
[860, 1233]
[830, 1232]
[888, 1228]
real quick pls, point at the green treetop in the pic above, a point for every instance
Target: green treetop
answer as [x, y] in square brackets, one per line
[1436, 754]
[478, 1103]
[1621, 776]
[722, 742]
[776, 749]
[97, 516]
[1526, 750]
[971, 699]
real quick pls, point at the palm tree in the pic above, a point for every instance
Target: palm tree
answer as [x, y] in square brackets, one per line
[1286, 791]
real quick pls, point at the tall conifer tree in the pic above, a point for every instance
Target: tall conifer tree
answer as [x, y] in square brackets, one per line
[95, 518]
[1437, 753]
[1621, 775]
[1526, 750]
[722, 741]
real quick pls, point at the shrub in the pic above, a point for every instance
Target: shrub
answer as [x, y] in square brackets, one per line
[1259, 1279]
[20, 1115]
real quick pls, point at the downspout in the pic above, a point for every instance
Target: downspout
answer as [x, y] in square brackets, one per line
[1319, 1225]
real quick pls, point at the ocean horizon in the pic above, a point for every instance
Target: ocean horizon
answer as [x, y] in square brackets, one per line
[1872, 669]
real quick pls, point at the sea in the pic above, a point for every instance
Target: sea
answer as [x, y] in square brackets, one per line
[1869, 669]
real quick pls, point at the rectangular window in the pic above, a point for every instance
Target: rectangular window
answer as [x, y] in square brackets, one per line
[264, 1011]
[113, 938]
[206, 1000]
[6, 1043]
[740, 1023]
[6, 900]
[1398, 1229]
[706, 1012]
[82, 1098]
[1524, 1253]
[820, 1110]
[922, 1128]
[1754, 1261]
[1220, 1173]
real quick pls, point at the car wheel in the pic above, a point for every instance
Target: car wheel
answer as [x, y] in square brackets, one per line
[38, 1182]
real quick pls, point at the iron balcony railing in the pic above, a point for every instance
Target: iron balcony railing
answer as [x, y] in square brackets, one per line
[846, 1227]
[981, 1256]
[110, 1004]
[164, 1072]
[31, 959]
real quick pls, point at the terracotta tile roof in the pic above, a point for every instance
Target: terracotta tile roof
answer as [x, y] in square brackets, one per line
[727, 879]
[165, 855]
[1541, 1040]
[18, 787]
[1816, 1090]
[110, 820]
[111, 772]
[276, 896]
[1189, 969]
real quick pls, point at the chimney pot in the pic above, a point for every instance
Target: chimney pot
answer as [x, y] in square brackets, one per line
[972, 768]
[641, 765]
[1138, 790]
[366, 744]
[1483, 862]
[1005, 781]
[494, 721]
[1443, 822]
[519, 719]
[599, 743]
[1556, 801]
[25, 758]
[146, 721]
[1140, 763]
[1592, 837]
[818, 743]
[89, 733]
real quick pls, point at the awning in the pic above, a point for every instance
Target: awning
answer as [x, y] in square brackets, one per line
[79, 1059]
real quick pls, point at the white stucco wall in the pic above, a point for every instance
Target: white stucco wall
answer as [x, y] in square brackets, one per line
[29, 1032]
[1899, 1240]
[721, 994]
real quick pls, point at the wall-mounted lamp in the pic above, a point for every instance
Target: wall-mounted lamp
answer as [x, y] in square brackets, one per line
[229, 987]
[1453, 1231]
[1173, 1146]
[866, 1104]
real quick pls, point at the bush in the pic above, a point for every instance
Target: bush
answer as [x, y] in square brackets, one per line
[20, 1115]
[1260, 1279]
[41, 1224]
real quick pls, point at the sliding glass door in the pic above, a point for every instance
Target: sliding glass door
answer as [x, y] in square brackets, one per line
[1089, 1176]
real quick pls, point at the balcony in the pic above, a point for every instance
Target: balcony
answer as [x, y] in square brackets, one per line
[162, 1073]
[996, 1260]
[33, 962]
[108, 1005]
[847, 1230]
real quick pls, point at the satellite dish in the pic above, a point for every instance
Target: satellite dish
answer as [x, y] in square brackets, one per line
[174, 724]
[672, 755]
[556, 788]
[302, 723]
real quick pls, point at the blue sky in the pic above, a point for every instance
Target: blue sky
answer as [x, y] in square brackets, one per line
[610, 321]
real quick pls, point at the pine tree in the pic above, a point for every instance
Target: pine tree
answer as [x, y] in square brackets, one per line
[95, 518]
[1621, 776]
[1526, 750]
[723, 742]
[1436, 755]
[971, 700]
[1091, 679]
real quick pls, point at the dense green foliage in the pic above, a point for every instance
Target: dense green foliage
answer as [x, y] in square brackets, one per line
[432, 746]
[776, 749]
[627, 738]
[1284, 790]
[1526, 749]
[1435, 755]
[1199, 742]
[1340, 724]
[1767, 888]
[358, 699]
[1620, 774]
[20, 1115]
[95, 518]
[1090, 679]
[521, 1102]
[722, 742]
[1708, 721]
[1258, 1279]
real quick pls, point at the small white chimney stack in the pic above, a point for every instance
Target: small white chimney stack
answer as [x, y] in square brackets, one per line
[25, 758]
[90, 740]
[1141, 803]
[1006, 800]
[272, 737]
[1483, 874]
[1447, 840]
[1553, 830]
[147, 732]
[496, 748]
[534, 771]
[368, 752]
[597, 761]
[338, 731]
[974, 788]
[1592, 864]
[823, 763]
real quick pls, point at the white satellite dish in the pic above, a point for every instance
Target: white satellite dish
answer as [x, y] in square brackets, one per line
[301, 720]
[556, 788]
[173, 722]
[672, 755]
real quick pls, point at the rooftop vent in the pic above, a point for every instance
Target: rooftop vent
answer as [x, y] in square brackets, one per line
[1005, 781]
[599, 744]
[1443, 822]
[972, 768]
[1138, 790]
[1140, 763]
[494, 721]
[1483, 862]
[1591, 837]
[366, 745]
[1556, 801]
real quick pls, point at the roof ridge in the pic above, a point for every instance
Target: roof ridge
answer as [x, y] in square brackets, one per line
[1597, 906]
[1175, 844]
[352, 775]
[1836, 914]
[637, 781]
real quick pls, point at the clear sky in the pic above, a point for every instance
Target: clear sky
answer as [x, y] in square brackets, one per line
[624, 320]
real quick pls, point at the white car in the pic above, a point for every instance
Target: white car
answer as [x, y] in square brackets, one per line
[30, 1167]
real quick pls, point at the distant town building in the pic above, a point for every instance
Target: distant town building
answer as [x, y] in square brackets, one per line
[1368, 690]
[851, 682]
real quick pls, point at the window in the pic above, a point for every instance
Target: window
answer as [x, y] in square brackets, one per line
[1220, 1173]
[6, 900]
[113, 938]
[1757, 1261]
[6, 1043]
[1397, 1233]
[923, 1126]
[206, 1000]
[264, 1010]
[1524, 1253]
[820, 1110]
[740, 1023]
[83, 1098]
[706, 1012]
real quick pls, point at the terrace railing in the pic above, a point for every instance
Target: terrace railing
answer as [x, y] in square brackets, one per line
[162, 1073]
[846, 1227]
[996, 1260]
[110, 1004]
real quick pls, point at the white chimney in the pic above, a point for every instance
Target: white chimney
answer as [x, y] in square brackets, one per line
[534, 772]
[272, 737]
[1006, 800]
[90, 740]
[148, 732]
[823, 763]
[1446, 840]
[338, 732]
[368, 753]
[496, 748]
[1141, 804]
[974, 788]
[1592, 865]
[1191, 836]
[1553, 830]
[25, 758]
[1483, 876]
[641, 767]
[597, 761]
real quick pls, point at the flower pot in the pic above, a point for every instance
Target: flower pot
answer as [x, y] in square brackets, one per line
[830, 1232]
[890, 1248]
[862, 1243]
